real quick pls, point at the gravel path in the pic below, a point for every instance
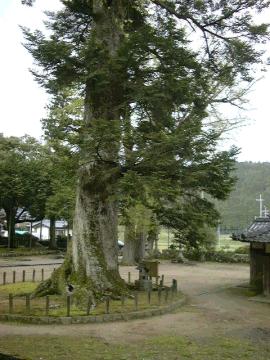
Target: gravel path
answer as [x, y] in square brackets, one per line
[216, 306]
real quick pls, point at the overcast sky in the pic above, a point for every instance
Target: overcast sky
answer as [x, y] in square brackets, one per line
[23, 101]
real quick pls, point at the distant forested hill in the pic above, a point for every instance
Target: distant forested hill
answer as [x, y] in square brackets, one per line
[241, 207]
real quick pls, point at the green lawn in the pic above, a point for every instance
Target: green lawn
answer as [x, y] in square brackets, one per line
[158, 348]
[166, 239]
[226, 243]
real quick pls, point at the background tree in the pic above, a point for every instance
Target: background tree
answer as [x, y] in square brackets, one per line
[147, 85]
[61, 200]
[24, 182]
[61, 128]
[137, 221]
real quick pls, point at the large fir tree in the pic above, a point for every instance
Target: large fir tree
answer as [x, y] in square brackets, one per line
[148, 70]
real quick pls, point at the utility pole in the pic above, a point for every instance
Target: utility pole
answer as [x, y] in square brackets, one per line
[40, 231]
[261, 205]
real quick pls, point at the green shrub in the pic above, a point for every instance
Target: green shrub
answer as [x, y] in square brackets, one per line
[217, 256]
[61, 241]
[227, 257]
[169, 254]
[25, 240]
[195, 254]
[242, 250]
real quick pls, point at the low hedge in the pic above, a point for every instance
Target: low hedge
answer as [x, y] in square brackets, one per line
[221, 256]
[227, 257]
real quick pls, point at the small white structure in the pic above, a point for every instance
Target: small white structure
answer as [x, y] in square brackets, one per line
[41, 229]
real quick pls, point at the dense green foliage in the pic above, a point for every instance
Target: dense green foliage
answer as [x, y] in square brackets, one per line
[35, 182]
[241, 207]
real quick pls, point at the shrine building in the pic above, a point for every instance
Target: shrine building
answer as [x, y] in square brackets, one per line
[258, 235]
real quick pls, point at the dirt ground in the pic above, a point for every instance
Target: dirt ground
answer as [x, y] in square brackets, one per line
[217, 305]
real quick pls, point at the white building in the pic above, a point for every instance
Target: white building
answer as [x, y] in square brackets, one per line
[41, 229]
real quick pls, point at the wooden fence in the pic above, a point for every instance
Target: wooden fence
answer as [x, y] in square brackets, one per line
[22, 305]
[26, 275]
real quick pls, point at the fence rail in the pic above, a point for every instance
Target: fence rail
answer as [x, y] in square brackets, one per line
[8, 276]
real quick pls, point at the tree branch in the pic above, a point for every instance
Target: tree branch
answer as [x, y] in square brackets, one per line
[20, 214]
[187, 18]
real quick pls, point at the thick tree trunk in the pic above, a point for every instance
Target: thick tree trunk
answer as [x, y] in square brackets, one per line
[134, 248]
[141, 241]
[52, 243]
[11, 214]
[94, 245]
[93, 262]
[129, 248]
[152, 241]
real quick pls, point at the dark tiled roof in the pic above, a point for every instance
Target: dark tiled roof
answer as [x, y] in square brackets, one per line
[258, 231]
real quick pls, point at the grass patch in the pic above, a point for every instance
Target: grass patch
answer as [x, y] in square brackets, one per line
[158, 348]
[227, 244]
[58, 306]
[240, 291]
[17, 289]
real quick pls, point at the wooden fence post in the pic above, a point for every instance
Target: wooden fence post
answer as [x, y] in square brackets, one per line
[34, 275]
[136, 300]
[174, 285]
[89, 303]
[42, 274]
[159, 295]
[170, 293]
[23, 276]
[122, 300]
[166, 294]
[47, 306]
[107, 305]
[10, 303]
[27, 304]
[68, 305]
[4, 278]
[129, 277]
[14, 276]
[149, 296]
[162, 280]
